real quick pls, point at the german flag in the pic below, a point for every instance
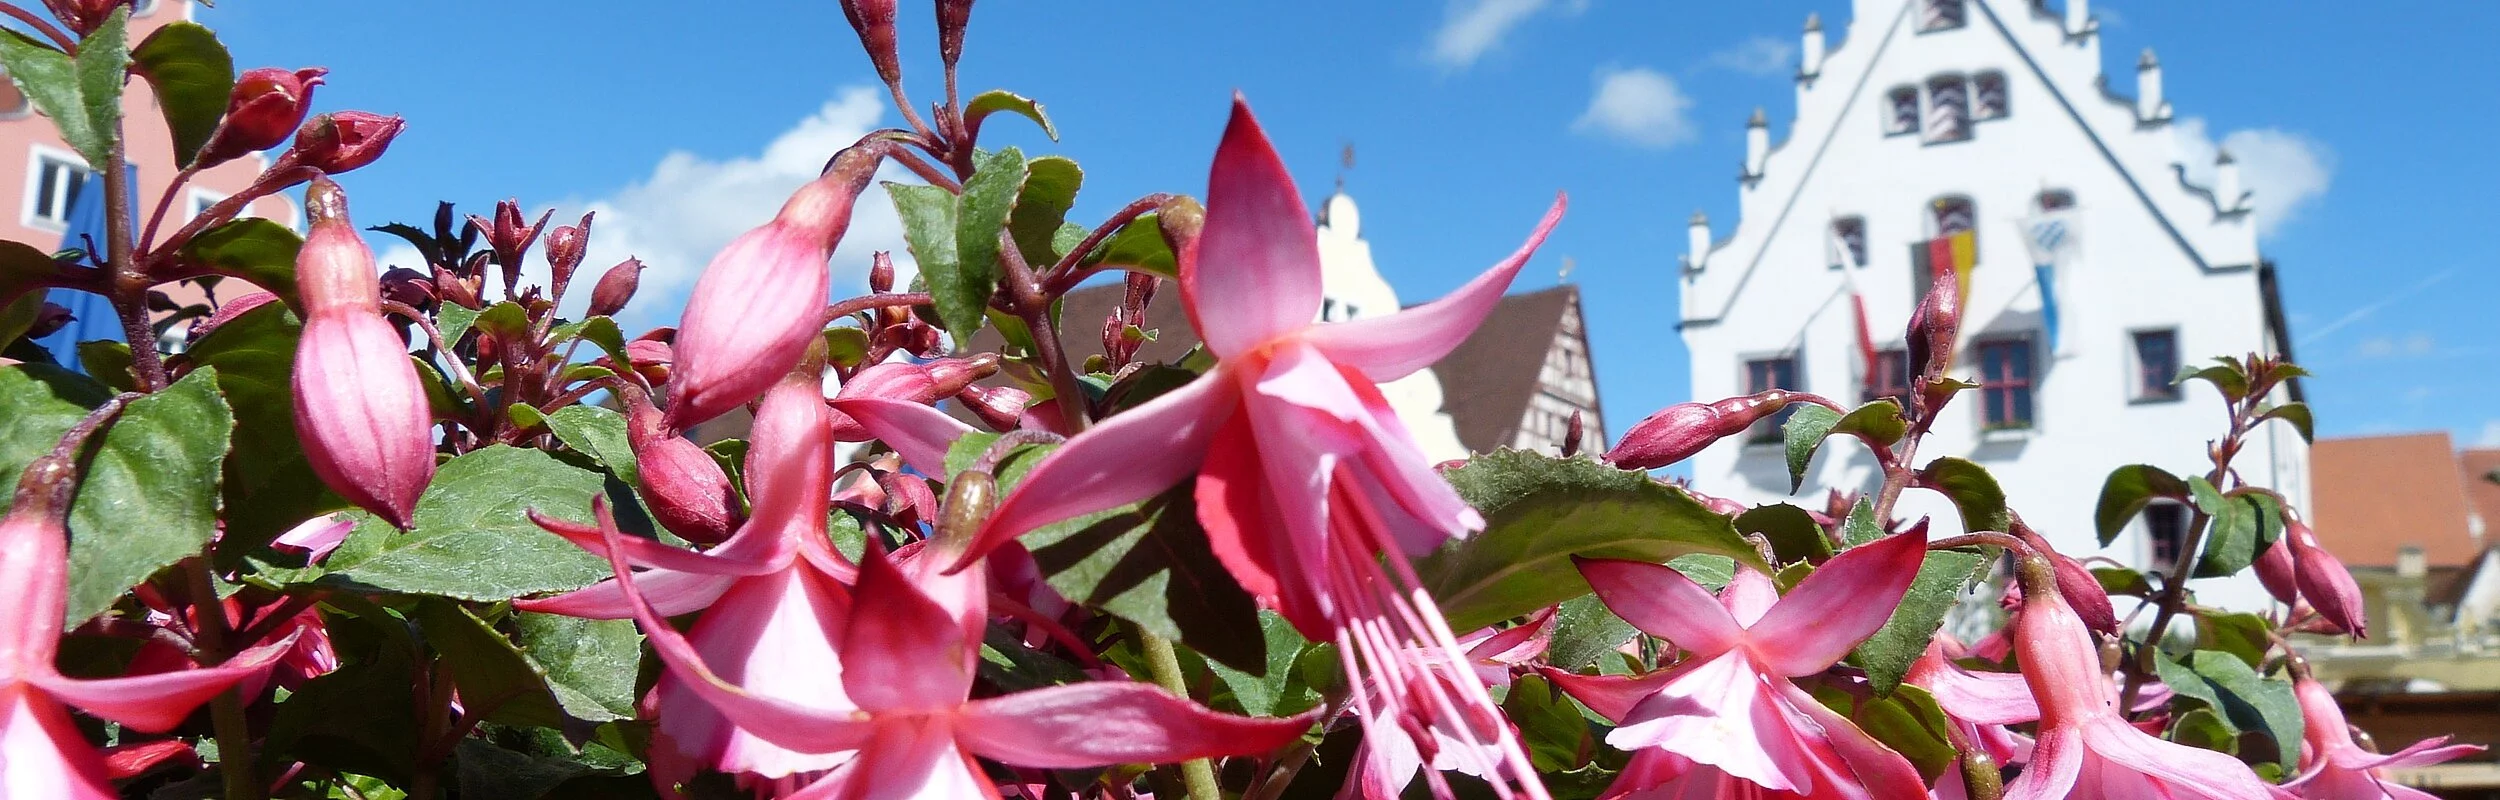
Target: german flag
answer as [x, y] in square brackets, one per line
[1957, 252]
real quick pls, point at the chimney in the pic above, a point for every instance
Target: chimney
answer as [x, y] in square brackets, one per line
[2226, 182]
[2411, 562]
[1810, 60]
[1697, 239]
[2078, 17]
[1757, 143]
[2149, 106]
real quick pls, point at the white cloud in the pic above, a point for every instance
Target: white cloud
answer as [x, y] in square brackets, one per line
[2286, 171]
[1638, 105]
[1760, 55]
[1471, 28]
[2491, 434]
[2413, 345]
[690, 206]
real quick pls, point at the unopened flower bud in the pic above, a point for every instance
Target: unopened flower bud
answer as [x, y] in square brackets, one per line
[83, 16]
[49, 319]
[343, 141]
[881, 272]
[459, 291]
[2278, 572]
[761, 301]
[1935, 331]
[509, 236]
[565, 246]
[267, 105]
[2083, 592]
[359, 409]
[999, 407]
[2325, 582]
[1571, 436]
[950, 375]
[969, 500]
[874, 20]
[952, 16]
[652, 358]
[616, 288]
[685, 489]
[1678, 431]
[1180, 218]
[407, 287]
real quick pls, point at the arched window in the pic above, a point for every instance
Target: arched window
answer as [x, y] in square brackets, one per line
[1951, 215]
[1848, 247]
[1901, 107]
[1988, 96]
[2055, 199]
[1948, 109]
[1938, 15]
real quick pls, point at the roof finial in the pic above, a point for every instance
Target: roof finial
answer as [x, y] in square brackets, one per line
[1814, 21]
[2224, 157]
[1758, 120]
[2147, 61]
[1345, 164]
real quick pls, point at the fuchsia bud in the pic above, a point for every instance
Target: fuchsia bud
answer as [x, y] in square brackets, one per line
[49, 319]
[407, 287]
[952, 16]
[343, 141]
[1935, 331]
[460, 291]
[83, 15]
[564, 252]
[652, 358]
[2082, 591]
[616, 288]
[881, 272]
[762, 299]
[1678, 431]
[1001, 408]
[874, 20]
[2277, 571]
[2324, 581]
[509, 236]
[923, 384]
[267, 105]
[687, 491]
[358, 407]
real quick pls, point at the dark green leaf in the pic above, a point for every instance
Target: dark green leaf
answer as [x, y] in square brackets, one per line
[361, 718]
[1908, 721]
[1551, 727]
[471, 541]
[2295, 413]
[980, 219]
[16, 316]
[1712, 572]
[2251, 703]
[600, 434]
[2231, 530]
[1050, 187]
[506, 320]
[1279, 692]
[1880, 421]
[1584, 630]
[601, 331]
[2123, 581]
[1974, 492]
[487, 772]
[2127, 491]
[193, 77]
[82, 95]
[454, 321]
[1861, 526]
[928, 215]
[108, 361]
[2238, 633]
[1793, 534]
[2226, 376]
[1942, 578]
[270, 486]
[996, 100]
[1009, 665]
[1151, 564]
[23, 269]
[252, 249]
[1138, 245]
[2201, 727]
[590, 664]
[1802, 434]
[496, 682]
[845, 346]
[1540, 512]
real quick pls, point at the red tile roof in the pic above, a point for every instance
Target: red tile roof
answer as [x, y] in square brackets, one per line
[2377, 494]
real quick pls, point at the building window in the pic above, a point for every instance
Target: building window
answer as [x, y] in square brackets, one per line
[1891, 379]
[1848, 247]
[1902, 102]
[2156, 362]
[1953, 215]
[53, 189]
[1762, 375]
[1332, 311]
[2055, 199]
[2005, 383]
[2165, 530]
[1948, 109]
[203, 199]
[1939, 15]
[1988, 99]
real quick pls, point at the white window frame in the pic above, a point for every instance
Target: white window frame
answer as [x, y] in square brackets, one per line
[201, 198]
[35, 156]
[2135, 366]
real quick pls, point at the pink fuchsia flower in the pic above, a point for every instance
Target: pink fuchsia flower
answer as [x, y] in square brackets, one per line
[1980, 704]
[1305, 478]
[316, 537]
[2085, 747]
[2296, 570]
[1678, 431]
[359, 409]
[42, 753]
[909, 652]
[763, 297]
[1730, 720]
[2334, 767]
[1390, 758]
[266, 105]
[773, 595]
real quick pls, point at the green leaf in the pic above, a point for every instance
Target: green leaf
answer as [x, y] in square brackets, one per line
[590, 664]
[1138, 245]
[1802, 434]
[454, 321]
[2238, 633]
[2201, 727]
[1150, 564]
[16, 316]
[2231, 530]
[82, 95]
[1549, 725]
[1279, 692]
[471, 541]
[2248, 701]
[1908, 721]
[996, 100]
[2226, 376]
[2127, 491]
[1793, 533]
[24, 269]
[255, 250]
[360, 718]
[1585, 630]
[2122, 581]
[598, 433]
[1942, 578]
[1974, 493]
[496, 682]
[524, 416]
[507, 320]
[2295, 413]
[980, 217]
[193, 77]
[487, 772]
[1012, 667]
[600, 331]
[108, 361]
[270, 486]
[845, 346]
[928, 215]
[1861, 526]
[1050, 187]
[1540, 512]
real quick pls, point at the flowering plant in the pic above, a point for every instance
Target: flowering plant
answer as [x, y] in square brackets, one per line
[415, 533]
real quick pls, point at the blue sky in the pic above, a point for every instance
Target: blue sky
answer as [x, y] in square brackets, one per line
[686, 127]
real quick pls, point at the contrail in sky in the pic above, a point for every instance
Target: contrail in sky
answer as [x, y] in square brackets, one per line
[2358, 314]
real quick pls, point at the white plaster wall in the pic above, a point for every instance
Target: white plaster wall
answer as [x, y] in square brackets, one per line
[1766, 289]
[1350, 280]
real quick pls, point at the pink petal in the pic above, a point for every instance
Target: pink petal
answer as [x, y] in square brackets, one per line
[1231, 492]
[1983, 698]
[920, 433]
[780, 722]
[1662, 602]
[44, 754]
[2056, 764]
[673, 593]
[156, 703]
[904, 652]
[316, 537]
[1838, 606]
[1718, 711]
[2422, 754]
[1611, 696]
[1391, 347]
[772, 636]
[1253, 274]
[2183, 771]
[1882, 772]
[1131, 456]
[642, 552]
[1747, 596]
[913, 758]
[1392, 460]
[1106, 722]
[1518, 644]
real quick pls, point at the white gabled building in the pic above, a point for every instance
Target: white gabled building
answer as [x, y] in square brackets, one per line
[1931, 116]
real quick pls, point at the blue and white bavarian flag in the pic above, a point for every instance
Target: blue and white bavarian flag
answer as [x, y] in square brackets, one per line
[2051, 238]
